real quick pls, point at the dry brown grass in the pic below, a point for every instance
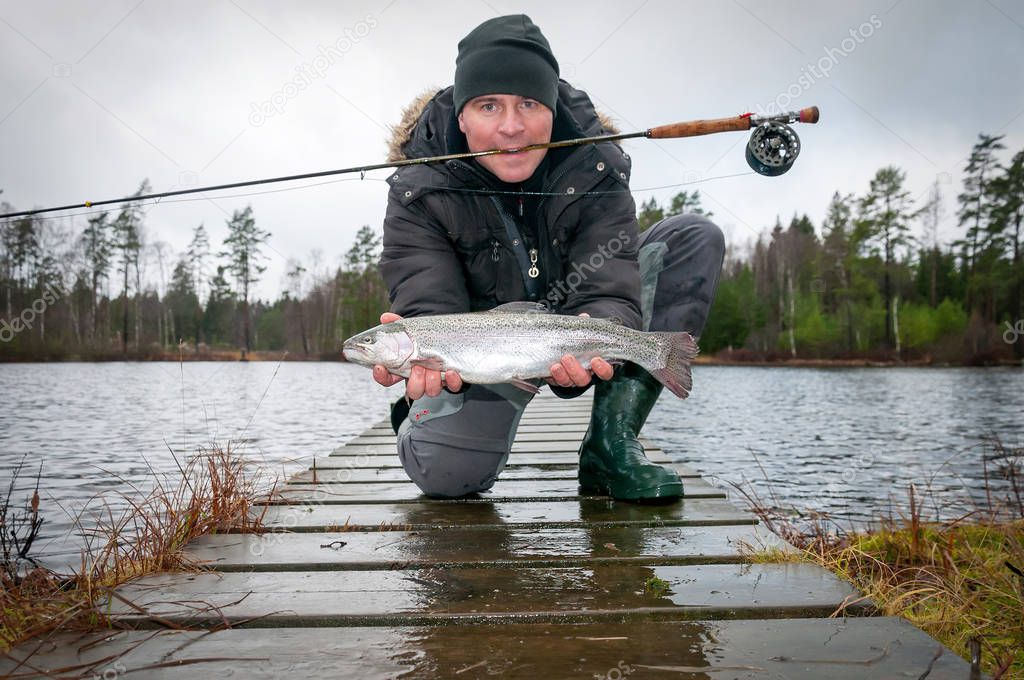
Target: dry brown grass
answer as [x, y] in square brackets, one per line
[215, 490]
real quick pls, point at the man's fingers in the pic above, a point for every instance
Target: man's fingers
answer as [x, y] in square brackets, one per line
[388, 317]
[575, 371]
[601, 368]
[432, 383]
[414, 387]
[421, 381]
[560, 376]
[382, 377]
[453, 380]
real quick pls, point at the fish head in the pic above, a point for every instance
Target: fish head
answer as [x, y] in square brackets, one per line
[388, 344]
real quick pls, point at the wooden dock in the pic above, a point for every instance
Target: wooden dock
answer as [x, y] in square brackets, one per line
[361, 576]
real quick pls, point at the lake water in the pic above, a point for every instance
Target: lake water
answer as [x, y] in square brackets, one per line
[846, 441]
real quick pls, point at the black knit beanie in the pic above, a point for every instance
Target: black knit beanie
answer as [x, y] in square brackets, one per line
[506, 55]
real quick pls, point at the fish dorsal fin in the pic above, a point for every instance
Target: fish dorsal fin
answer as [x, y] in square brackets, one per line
[521, 307]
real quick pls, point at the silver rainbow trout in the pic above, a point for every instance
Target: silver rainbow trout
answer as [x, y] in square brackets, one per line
[518, 342]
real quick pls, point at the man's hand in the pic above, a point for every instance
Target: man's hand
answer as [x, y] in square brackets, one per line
[421, 380]
[568, 372]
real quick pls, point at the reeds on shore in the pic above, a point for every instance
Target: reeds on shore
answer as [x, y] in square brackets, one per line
[216, 489]
[961, 581]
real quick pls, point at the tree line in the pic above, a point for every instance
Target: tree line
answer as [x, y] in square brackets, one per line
[872, 280]
[111, 291]
[875, 281]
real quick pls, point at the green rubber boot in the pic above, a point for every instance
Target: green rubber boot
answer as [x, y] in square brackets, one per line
[612, 461]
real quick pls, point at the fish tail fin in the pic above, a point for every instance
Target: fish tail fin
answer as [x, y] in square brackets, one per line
[679, 349]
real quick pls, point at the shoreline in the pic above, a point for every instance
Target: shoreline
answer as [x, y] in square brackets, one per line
[274, 356]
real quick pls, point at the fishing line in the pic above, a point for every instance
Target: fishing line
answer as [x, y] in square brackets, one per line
[146, 203]
[772, 148]
[491, 192]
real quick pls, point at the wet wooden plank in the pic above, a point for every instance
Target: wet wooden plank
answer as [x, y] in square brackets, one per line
[566, 447]
[503, 491]
[394, 472]
[488, 546]
[519, 461]
[523, 428]
[796, 649]
[435, 514]
[384, 459]
[579, 593]
[521, 437]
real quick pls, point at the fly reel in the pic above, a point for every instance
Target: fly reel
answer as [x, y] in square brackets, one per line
[772, 149]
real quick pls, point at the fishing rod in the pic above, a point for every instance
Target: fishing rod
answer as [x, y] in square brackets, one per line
[771, 151]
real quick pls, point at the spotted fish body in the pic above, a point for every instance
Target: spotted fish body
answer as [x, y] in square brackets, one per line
[516, 343]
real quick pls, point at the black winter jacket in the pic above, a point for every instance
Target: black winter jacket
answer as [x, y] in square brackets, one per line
[450, 244]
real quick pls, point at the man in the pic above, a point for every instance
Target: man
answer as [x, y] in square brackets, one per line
[551, 225]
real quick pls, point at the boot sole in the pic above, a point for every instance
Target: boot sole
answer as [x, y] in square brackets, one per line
[663, 493]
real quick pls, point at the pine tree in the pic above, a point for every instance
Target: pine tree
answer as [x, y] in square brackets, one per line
[683, 203]
[650, 214]
[885, 216]
[1008, 213]
[975, 203]
[197, 253]
[295, 274]
[243, 252]
[183, 302]
[98, 246]
[840, 251]
[217, 315]
[127, 242]
[362, 287]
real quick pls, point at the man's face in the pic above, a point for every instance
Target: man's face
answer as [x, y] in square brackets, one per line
[507, 121]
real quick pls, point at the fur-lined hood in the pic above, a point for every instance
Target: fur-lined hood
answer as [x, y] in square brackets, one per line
[575, 111]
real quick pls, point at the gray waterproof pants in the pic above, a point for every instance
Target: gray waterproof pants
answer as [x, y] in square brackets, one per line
[457, 444]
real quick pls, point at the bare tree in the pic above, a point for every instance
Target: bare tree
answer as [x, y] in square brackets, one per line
[931, 215]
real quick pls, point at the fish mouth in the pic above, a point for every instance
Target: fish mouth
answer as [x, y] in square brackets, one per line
[354, 353]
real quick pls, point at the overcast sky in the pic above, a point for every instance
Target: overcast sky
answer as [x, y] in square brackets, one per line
[96, 96]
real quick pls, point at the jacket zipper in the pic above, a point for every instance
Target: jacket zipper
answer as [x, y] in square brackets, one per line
[527, 259]
[533, 272]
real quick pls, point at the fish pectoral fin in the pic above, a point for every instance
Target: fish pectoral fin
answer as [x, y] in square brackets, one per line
[521, 307]
[430, 363]
[525, 386]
